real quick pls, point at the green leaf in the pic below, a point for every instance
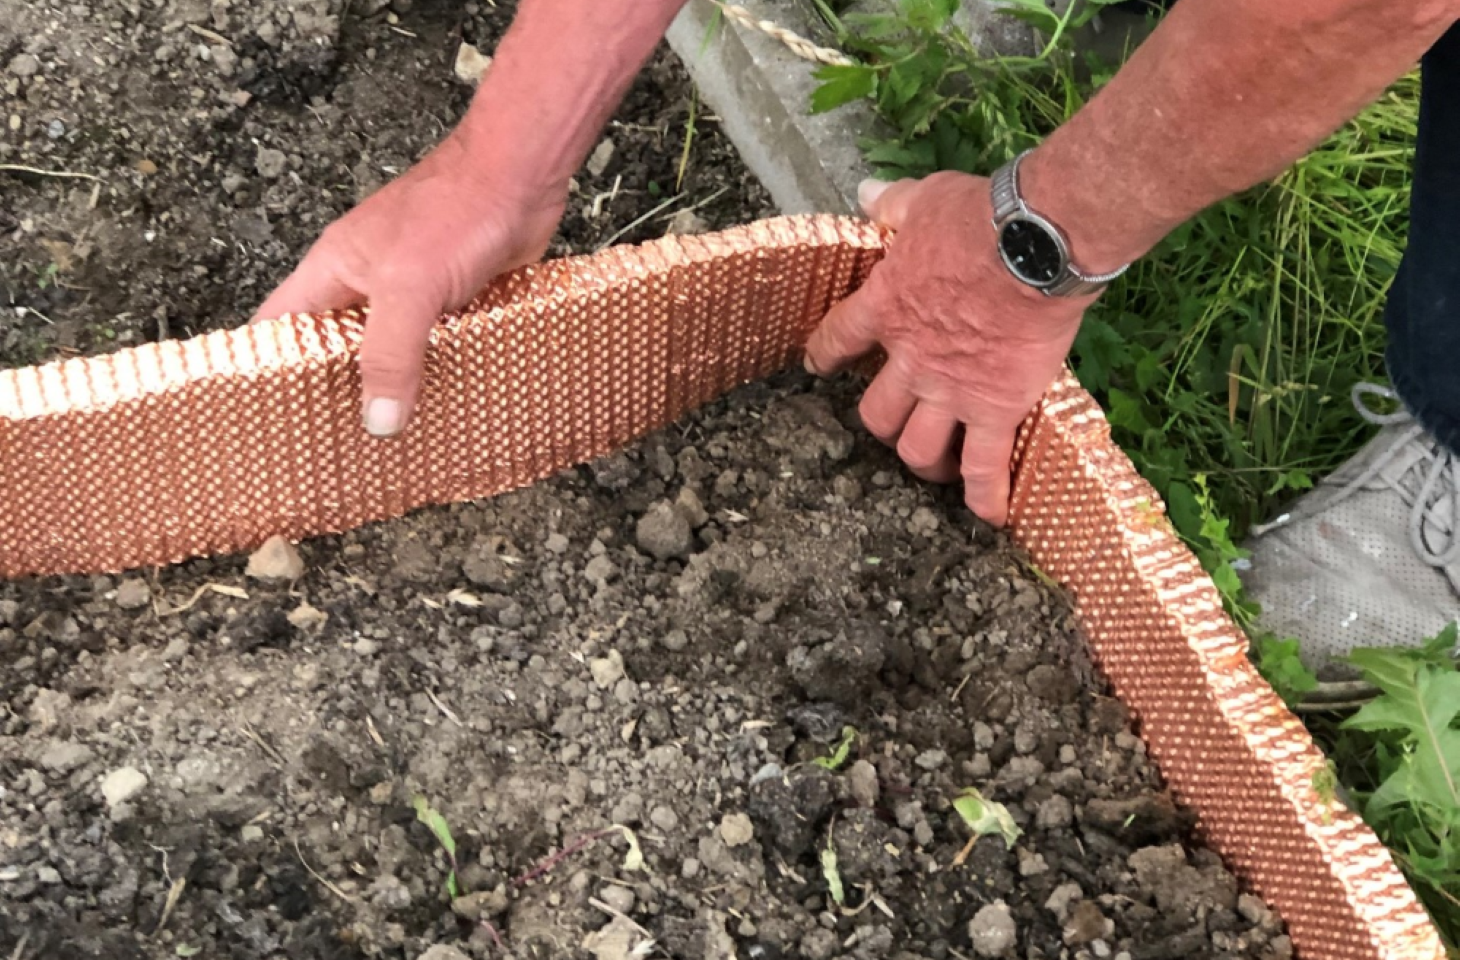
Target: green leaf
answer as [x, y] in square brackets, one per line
[831, 873]
[1421, 701]
[841, 84]
[985, 817]
[187, 950]
[437, 824]
[839, 753]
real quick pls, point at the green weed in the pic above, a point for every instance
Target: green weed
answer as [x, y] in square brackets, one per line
[984, 817]
[441, 830]
[839, 753]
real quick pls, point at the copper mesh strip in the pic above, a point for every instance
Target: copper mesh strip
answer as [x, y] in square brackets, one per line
[177, 450]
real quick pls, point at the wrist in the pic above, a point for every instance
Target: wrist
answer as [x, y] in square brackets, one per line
[1073, 205]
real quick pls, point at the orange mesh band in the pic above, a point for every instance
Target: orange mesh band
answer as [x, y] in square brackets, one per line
[175, 450]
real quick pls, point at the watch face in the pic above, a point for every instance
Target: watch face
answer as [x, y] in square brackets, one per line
[1031, 251]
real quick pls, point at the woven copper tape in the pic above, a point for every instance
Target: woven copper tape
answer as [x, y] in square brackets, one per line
[207, 446]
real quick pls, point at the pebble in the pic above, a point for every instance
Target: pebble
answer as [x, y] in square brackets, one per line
[931, 759]
[9, 609]
[557, 543]
[600, 569]
[251, 833]
[24, 65]
[620, 898]
[366, 647]
[133, 594]
[306, 617]
[48, 875]
[270, 163]
[675, 640]
[690, 868]
[862, 782]
[443, 951]
[736, 830]
[991, 932]
[471, 64]
[122, 784]
[664, 818]
[687, 222]
[1060, 900]
[277, 559]
[64, 756]
[598, 160]
[983, 735]
[664, 532]
[1056, 813]
[607, 671]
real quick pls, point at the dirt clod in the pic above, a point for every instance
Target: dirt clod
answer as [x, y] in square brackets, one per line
[992, 931]
[276, 559]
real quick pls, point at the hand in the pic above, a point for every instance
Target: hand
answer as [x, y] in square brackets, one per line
[970, 350]
[420, 247]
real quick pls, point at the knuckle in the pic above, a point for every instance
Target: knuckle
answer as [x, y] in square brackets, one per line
[916, 456]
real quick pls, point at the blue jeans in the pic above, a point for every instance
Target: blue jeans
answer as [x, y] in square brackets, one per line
[1423, 312]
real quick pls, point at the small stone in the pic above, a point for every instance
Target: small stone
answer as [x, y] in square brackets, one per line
[1253, 910]
[557, 543]
[862, 783]
[626, 691]
[176, 649]
[991, 932]
[1060, 900]
[690, 868]
[133, 594]
[48, 875]
[443, 951]
[275, 560]
[689, 505]
[1031, 864]
[9, 610]
[64, 756]
[1056, 813]
[270, 163]
[1086, 923]
[600, 569]
[24, 65]
[687, 222]
[599, 159]
[620, 898]
[674, 640]
[608, 670]
[366, 647]
[251, 833]
[122, 784]
[931, 759]
[736, 830]
[664, 818]
[476, 907]
[471, 64]
[663, 532]
[306, 617]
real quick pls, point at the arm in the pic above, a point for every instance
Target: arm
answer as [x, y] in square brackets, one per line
[484, 201]
[1223, 94]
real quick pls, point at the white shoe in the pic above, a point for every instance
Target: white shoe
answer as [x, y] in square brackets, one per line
[1369, 558]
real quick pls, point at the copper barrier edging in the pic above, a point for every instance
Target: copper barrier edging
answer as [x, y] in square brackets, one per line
[175, 450]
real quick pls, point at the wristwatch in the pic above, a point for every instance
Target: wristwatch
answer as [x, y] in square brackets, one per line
[1034, 249]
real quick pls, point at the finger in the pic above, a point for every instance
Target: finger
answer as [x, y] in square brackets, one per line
[393, 355]
[313, 287]
[987, 453]
[846, 332]
[886, 406]
[927, 444]
[887, 203]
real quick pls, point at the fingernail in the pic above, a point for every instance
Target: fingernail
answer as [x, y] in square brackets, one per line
[382, 417]
[868, 191]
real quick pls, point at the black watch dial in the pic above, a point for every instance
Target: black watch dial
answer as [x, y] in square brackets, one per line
[1031, 252]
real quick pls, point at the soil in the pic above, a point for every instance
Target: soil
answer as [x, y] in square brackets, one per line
[657, 647]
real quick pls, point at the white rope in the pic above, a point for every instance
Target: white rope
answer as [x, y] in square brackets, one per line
[796, 43]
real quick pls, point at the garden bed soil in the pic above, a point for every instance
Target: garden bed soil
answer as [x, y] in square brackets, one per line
[198, 762]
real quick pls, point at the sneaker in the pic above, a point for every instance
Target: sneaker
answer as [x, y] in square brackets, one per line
[1369, 558]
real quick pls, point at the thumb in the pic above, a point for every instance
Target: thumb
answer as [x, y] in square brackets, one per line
[392, 357]
[887, 203]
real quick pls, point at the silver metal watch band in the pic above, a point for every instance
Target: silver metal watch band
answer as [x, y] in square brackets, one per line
[1008, 202]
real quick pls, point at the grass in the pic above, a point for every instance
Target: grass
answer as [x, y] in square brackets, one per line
[1224, 359]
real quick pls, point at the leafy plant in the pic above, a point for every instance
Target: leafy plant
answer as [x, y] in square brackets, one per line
[1401, 756]
[839, 753]
[439, 828]
[985, 818]
[831, 872]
